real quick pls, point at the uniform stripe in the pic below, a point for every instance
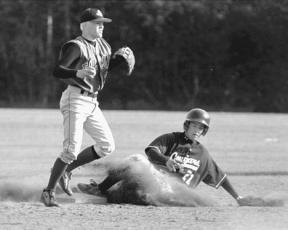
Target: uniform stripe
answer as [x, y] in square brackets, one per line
[69, 125]
[220, 182]
[104, 47]
[101, 48]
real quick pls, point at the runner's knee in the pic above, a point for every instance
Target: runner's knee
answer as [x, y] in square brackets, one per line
[139, 158]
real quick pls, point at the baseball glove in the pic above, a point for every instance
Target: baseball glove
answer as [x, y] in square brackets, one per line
[123, 55]
[253, 201]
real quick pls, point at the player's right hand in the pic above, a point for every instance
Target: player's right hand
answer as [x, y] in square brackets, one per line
[172, 165]
[87, 72]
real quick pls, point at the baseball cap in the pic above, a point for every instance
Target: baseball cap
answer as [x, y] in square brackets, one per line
[93, 14]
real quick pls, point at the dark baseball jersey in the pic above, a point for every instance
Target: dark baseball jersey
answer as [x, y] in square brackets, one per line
[196, 163]
[79, 53]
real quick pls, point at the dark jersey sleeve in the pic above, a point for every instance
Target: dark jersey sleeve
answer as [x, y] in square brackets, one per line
[215, 176]
[160, 149]
[70, 53]
[163, 143]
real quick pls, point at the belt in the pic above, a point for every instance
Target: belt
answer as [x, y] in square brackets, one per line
[86, 93]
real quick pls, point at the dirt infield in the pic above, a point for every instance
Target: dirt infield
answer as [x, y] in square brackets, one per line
[249, 147]
[89, 216]
[89, 212]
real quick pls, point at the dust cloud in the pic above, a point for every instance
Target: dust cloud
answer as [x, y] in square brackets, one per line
[19, 191]
[141, 183]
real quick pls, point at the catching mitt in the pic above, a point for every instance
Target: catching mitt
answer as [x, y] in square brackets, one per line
[124, 55]
[259, 201]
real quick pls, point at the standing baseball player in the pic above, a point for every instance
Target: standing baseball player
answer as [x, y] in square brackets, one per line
[83, 65]
[180, 154]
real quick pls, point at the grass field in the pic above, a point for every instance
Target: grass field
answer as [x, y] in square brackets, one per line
[250, 147]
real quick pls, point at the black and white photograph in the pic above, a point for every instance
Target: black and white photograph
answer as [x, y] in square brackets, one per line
[144, 114]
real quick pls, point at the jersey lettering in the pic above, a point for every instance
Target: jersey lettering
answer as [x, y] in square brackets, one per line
[195, 163]
[104, 62]
[188, 165]
[187, 178]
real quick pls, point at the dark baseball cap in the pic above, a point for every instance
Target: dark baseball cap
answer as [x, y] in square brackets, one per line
[93, 14]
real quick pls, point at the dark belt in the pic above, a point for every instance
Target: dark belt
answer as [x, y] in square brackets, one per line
[86, 93]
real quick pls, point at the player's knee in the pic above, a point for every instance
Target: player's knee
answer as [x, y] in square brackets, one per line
[105, 149]
[138, 158]
[67, 157]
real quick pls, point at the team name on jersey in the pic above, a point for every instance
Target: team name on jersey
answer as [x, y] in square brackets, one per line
[188, 162]
[104, 62]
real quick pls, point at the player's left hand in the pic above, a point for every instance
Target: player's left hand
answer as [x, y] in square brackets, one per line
[125, 55]
[251, 201]
[172, 165]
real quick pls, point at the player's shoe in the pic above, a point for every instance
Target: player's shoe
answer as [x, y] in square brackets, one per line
[64, 183]
[92, 188]
[48, 198]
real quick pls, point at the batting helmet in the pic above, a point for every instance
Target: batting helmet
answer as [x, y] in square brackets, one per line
[199, 115]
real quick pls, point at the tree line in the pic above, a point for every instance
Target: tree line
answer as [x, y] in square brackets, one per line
[223, 55]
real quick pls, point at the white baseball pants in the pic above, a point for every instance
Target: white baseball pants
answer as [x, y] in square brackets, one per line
[80, 113]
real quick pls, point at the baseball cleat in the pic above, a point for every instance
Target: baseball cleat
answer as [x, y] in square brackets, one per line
[91, 189]
[64, 183]
[48, 198]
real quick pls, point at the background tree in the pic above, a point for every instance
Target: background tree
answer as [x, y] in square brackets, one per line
[224, 55]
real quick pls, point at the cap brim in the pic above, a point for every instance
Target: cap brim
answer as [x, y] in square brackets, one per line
[107, 20]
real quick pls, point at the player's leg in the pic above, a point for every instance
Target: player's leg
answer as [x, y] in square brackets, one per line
[117, 172]
[99, 189]
[85, 156]
[73, 132]
[84, 106]
[48, 194]
[97, 127]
